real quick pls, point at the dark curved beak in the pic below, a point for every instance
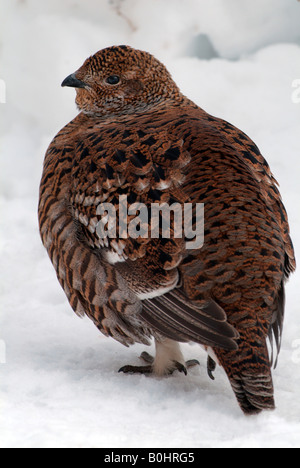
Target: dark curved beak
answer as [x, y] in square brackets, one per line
[73, 82]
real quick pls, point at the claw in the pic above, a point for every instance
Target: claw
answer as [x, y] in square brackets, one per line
[211, 367]
[180, 367]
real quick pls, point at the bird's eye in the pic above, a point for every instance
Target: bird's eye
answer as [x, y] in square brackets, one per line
[113, 79]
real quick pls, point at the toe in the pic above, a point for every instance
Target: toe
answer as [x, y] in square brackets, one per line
[147, 357]
[192, 363]
[136, 369]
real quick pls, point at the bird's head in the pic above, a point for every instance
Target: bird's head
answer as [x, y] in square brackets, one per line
[121, 80]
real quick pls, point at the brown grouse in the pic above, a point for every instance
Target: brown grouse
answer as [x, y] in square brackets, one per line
[138, 140]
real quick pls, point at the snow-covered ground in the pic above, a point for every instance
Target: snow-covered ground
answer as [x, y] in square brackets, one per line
[59, 387]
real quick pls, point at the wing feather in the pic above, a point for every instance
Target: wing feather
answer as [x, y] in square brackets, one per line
[183, 320]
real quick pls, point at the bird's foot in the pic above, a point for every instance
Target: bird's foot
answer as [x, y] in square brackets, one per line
[149, 368]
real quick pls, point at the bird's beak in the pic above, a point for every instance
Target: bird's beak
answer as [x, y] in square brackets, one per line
[73, 82]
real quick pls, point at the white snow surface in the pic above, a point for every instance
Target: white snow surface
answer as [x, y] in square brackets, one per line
[238, 59]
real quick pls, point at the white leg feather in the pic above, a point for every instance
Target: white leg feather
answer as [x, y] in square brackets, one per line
[167, 351]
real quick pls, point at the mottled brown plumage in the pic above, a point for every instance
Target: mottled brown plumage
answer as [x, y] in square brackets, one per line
[137, 135]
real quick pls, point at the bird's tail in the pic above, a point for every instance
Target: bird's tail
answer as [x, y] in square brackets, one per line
[249, 372]
[254, 392]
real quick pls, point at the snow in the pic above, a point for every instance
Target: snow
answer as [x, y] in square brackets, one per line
[60, 387]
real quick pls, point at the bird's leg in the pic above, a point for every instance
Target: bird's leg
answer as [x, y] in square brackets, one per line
[168, 358]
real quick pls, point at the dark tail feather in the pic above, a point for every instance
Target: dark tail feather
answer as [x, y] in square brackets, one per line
[253, 392]
[249, 372]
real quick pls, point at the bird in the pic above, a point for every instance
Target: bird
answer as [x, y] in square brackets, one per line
[138, 139]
